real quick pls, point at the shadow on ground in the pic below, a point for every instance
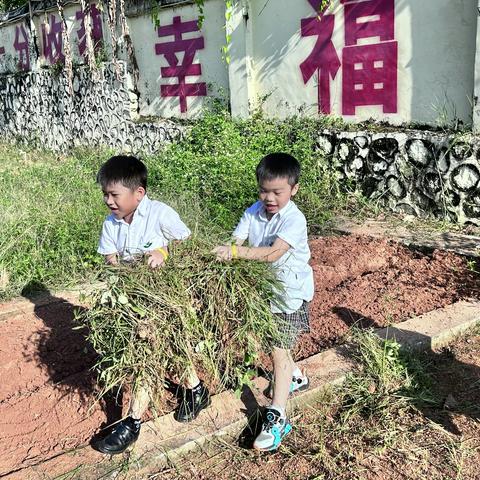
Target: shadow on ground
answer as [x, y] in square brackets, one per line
[63, 351]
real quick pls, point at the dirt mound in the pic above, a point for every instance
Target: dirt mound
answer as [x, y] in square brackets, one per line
[47, 389]
[367, 282]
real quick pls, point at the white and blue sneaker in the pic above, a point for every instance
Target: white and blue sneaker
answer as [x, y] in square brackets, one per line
[299, 384]
[274, 429]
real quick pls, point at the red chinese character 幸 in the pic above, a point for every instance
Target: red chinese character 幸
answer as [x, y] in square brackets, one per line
[187, 68]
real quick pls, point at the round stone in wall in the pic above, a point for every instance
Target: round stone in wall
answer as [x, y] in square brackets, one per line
[419, 152]
[431, 183]
[471, 206]
[385, 148]
[381, 154]
[326, 144]
[461, 150]
[357, 163]
[395, 187]
[406, 208]
[465, 177]
[369, 186]
[347, 150]
[361, 141]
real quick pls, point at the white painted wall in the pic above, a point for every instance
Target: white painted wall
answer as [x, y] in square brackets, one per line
[435, 74]
[436, 55]
[213, 68]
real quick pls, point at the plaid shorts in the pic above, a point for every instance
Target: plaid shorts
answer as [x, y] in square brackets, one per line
[292, 325]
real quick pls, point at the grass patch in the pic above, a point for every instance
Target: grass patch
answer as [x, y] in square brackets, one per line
[53, 210]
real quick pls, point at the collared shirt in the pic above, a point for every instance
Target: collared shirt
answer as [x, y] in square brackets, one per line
[292, 268]
[153, 225]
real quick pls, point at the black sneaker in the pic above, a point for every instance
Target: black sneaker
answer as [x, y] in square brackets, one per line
[120, 438]
[192, 402]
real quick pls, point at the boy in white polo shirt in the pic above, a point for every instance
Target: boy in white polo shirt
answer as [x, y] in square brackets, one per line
[140, 226]
[277, 232]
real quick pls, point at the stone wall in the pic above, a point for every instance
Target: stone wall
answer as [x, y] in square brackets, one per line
[38, 109]
[414, 172]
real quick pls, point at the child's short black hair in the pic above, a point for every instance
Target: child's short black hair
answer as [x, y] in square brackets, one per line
[278, 165]
[126, 170]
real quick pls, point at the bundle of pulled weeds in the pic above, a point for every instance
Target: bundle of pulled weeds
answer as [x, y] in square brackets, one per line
[151, 325]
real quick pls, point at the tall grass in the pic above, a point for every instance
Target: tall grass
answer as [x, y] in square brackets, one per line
[194, 314]
[52, 210]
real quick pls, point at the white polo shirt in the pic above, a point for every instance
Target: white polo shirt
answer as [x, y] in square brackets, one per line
[292, 268]
[154, 224]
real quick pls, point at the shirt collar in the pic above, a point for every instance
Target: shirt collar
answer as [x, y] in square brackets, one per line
[143, 206]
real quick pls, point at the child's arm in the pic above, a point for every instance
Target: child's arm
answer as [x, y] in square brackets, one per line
[106, 244]
[263, 254]
[173, 230]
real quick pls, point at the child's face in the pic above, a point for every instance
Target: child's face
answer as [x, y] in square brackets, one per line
[276, 193]
[122, 201]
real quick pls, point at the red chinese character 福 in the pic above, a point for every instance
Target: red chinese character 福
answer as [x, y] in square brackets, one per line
[187, 68]
[323, 58]
[22, 48]
[52, 41]
[369, 70]
[97, 32]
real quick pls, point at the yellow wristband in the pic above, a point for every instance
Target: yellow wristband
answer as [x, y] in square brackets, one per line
[163, 251]
[234, 250]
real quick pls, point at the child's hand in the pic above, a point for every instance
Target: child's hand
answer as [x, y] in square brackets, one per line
[223, 252]
[155, 258]
[111, 259]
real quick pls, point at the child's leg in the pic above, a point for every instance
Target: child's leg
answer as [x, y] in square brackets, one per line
[192, 380]
[275, 423]
[193, 399]
[283, 367]
[125, 433]
[139, 403]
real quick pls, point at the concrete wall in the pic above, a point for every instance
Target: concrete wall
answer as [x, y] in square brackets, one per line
[424, 52]
[38, 109]
[399, 61]
[415, 172]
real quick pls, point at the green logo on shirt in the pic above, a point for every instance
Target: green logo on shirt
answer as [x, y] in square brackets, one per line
[149, 244]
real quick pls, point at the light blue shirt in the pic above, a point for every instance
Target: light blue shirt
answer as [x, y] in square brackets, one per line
[153, 225]
[292, 268]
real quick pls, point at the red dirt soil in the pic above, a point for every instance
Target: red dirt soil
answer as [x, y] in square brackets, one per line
[47, 391]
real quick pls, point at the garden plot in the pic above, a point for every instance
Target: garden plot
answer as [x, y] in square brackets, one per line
[47, 391]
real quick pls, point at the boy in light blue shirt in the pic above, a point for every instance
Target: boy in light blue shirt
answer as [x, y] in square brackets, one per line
[277, 233]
